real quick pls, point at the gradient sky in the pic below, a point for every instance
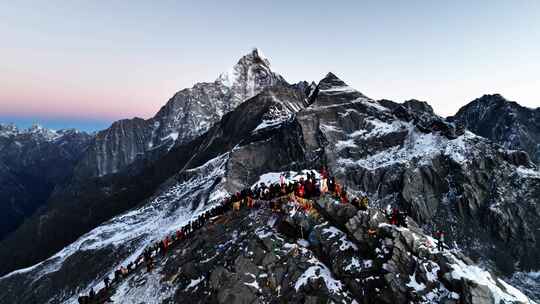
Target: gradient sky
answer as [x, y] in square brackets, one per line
[87, 63]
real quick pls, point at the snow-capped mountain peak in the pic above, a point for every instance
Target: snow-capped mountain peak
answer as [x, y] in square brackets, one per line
[232, 76]
[249, 76]
[333, 85]
[36, 132]
[188, 114]
[7, 130]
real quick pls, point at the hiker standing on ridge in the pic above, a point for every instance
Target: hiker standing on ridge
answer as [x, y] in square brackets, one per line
[364, 203]
[337, 190]
[324, 186]
[440, 240]
[394, 216]
[331, 184]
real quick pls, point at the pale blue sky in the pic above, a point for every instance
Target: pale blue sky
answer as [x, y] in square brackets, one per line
[80, 62]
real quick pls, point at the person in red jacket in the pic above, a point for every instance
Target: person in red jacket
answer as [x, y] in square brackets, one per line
[165, 245]
[324, 173]
[300, 191]
[394, 216]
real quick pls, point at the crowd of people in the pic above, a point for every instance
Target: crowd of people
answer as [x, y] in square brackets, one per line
[273, 196]
[150, 254]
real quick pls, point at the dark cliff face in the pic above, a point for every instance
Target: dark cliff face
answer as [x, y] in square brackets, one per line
[504, 122]
[122, 143]
[32, 163]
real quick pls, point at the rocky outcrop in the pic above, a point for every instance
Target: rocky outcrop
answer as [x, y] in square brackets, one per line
[32, 163]
[504, 122]
[404, 155]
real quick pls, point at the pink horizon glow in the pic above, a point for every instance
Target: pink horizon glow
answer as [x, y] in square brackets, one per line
[106, 104]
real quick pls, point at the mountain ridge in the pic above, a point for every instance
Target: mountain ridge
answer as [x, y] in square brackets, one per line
[505, 122]
[401, 155]
[33, 162]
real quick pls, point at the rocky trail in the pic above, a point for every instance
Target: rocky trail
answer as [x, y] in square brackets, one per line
[309, 251]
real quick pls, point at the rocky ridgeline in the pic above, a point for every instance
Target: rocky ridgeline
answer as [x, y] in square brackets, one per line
[313, 256]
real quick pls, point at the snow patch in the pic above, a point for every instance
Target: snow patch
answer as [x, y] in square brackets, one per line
[419, 146]
[418, 287]
[501, 291]
[316, 272]
[527, 172]
[173, 136]
[194, 283]
[288, 176]
[338, 90]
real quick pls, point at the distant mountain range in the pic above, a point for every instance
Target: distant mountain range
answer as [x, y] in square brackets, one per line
[32, 163]
[473, 175]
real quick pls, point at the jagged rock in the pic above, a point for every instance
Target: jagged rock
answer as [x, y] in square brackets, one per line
[517, 158]
[428, 166]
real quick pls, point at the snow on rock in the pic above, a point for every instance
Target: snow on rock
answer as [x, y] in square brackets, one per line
[502, 292]
[353, 265]
[289, 176]
[529, 282]
[374, 104]
[276, 115]
[194, 283]
[149, 289]
[380, 128]
[263, 232]
[254, 284]
[338, 90]
[334, 233]
[316, 272]
[418, 287]
[418, 146]
[173, 136]
[343, 144]
[303, 243]
[36, 132]
[527, 172]
[329, 128]
[140, 227]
